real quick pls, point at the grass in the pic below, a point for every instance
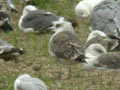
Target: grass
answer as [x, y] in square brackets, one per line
[37, 62]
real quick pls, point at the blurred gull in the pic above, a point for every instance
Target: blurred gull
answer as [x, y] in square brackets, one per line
[100, 59]
[13, 9]
[34, 20]
[8, 51]
[116, 47]
[101, 38]
[5, 23]
[85, 7]
[92, 52]
[106, 17]
[26, 82]
[7, 5]
[65, 46]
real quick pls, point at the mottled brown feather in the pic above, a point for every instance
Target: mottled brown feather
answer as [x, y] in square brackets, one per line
[66, 45]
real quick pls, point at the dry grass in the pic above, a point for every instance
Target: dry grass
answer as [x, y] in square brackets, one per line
[37, 62]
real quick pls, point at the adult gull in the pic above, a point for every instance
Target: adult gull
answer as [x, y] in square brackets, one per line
[8, 51]
[106, 17]
[34, 20]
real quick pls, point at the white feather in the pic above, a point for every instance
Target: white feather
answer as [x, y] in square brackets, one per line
[85, 7]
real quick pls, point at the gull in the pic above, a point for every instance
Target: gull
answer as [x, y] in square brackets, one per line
[92, 52]
[85, 7]
[34, 20]
[100, 37]
[106, 17]
[65, 46]
[5, 23]
[99, 58]
[8, 51]
[26, 82]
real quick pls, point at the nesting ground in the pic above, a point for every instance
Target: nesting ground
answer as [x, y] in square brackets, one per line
[37, 62]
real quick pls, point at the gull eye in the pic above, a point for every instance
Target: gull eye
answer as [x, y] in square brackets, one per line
[58, 25]
[81, 13]
[98, 50]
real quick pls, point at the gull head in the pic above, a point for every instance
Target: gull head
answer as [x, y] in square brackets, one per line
[28, 9]
[82, 10]
[95, 34]
[95, 50]
[62, 25]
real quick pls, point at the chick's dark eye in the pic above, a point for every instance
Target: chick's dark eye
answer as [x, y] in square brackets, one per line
[58, 25]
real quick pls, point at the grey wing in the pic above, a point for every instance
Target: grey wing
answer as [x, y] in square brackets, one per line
[39, 20]
[103, 17]
[111, 60]
[31, 84]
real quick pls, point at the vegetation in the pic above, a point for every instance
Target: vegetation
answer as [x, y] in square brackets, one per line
[37, 62]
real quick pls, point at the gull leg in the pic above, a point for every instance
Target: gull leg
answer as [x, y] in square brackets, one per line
[70, 70]
[59, 72]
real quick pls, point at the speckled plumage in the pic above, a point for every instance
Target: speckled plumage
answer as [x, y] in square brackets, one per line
[101, 38]
[5, 23]
[110, 60]
[66, 45]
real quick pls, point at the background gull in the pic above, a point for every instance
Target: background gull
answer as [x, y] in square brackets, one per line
[115, 38]
[106, 17]
[110, 60]
[26, 82]
[34, 20]
[100, 59]
[92, 52]
[11, 5]
[85, 7]
[65, 46]
[101, 38]
[7, 5]
[8, 51]
[5, 23]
